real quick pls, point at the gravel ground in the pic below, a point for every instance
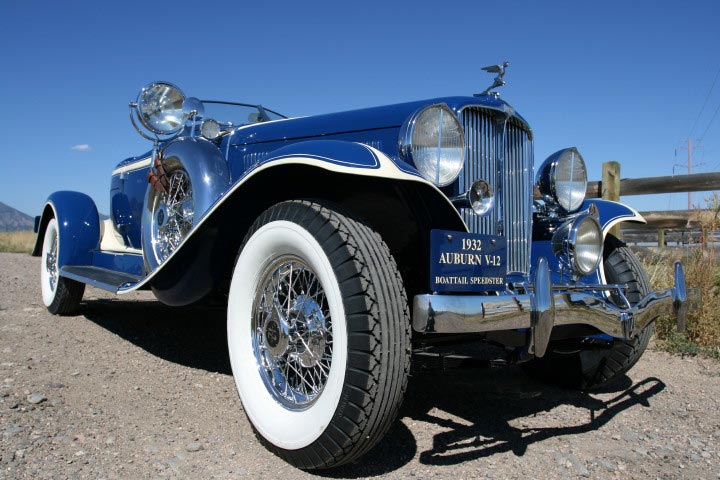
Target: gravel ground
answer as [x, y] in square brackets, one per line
[132, 389]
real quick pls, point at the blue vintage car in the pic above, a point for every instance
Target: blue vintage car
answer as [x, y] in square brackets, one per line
[342, 243]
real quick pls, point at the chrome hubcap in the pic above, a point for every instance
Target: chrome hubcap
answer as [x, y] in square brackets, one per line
[51, 262]
[292, 333]
[173, 215]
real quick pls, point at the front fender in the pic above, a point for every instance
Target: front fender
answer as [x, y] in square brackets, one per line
[285, 174]
[78, 226]
[611, 213]
[209, 177]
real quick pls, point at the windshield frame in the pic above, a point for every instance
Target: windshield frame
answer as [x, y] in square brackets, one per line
[261, 110]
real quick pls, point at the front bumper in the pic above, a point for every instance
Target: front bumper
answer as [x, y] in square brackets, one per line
[546, 306]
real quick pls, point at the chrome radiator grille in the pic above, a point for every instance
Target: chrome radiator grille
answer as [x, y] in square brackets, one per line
[500, 151]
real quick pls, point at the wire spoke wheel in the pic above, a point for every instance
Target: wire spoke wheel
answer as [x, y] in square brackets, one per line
[51, 262]
[318, 334]
[292, 333]
[172, 213]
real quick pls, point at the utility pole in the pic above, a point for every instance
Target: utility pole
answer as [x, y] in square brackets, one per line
[689, 149]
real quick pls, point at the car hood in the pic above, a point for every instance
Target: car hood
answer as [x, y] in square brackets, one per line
[376, 118]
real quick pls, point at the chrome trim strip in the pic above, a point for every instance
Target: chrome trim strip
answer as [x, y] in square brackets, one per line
[130, 167]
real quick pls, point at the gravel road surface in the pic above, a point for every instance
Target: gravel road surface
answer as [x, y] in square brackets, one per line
[132, 389]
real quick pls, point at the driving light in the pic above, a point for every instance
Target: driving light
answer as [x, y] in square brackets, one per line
[210, 129]
[433, 140]
[562, 179]
[479, 197]
[160, 108]
[579, 244]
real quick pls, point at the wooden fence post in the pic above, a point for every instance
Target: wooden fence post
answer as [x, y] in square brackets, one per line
[611, 187]
[661, 238]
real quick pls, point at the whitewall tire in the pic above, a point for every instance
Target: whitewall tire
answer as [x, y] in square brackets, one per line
[60, 295]
[318, 334]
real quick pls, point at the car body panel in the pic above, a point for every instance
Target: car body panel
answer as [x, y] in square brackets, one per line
[363, 120]
[127, 193]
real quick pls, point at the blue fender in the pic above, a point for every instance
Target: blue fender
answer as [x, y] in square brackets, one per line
[210, 179]
[611, 213]
[78, 226]
[184, 275]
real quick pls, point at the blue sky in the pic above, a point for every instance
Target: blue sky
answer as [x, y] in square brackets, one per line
[621, 80]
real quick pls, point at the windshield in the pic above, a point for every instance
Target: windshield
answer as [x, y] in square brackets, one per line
[238, 113]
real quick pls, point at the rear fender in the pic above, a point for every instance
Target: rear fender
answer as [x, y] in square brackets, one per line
[78, 226]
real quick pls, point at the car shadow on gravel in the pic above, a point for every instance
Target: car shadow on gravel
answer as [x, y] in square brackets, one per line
[189, 336]
[488, 413]
[478, 413]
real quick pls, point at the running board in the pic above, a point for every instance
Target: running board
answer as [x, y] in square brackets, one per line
[109, 280]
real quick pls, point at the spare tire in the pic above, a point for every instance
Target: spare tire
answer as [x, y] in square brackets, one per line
[196, 177]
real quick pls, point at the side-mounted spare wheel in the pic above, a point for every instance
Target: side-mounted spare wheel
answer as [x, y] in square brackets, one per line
[192, 175]
[170, 215]
[590, 363]
[60, 295]
[318, 334]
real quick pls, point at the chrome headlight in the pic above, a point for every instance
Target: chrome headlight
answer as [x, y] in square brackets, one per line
[562, 179]
[579, 243]
[160, 108]
[433, 140]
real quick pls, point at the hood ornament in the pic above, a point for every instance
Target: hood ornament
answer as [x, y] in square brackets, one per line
[498, 82]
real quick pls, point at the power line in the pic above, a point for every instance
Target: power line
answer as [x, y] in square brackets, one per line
[710, 123]
[702, 109]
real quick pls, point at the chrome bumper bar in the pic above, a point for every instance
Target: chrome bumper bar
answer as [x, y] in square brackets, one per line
[546, 306]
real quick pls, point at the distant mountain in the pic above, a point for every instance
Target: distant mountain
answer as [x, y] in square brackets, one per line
[12, 220]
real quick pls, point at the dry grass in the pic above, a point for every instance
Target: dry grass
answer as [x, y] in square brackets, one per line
[17, 242]
[701, 272]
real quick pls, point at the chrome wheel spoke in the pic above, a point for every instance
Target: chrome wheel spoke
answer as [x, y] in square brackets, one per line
[291, 324]
[51, 262]
[172, 215]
